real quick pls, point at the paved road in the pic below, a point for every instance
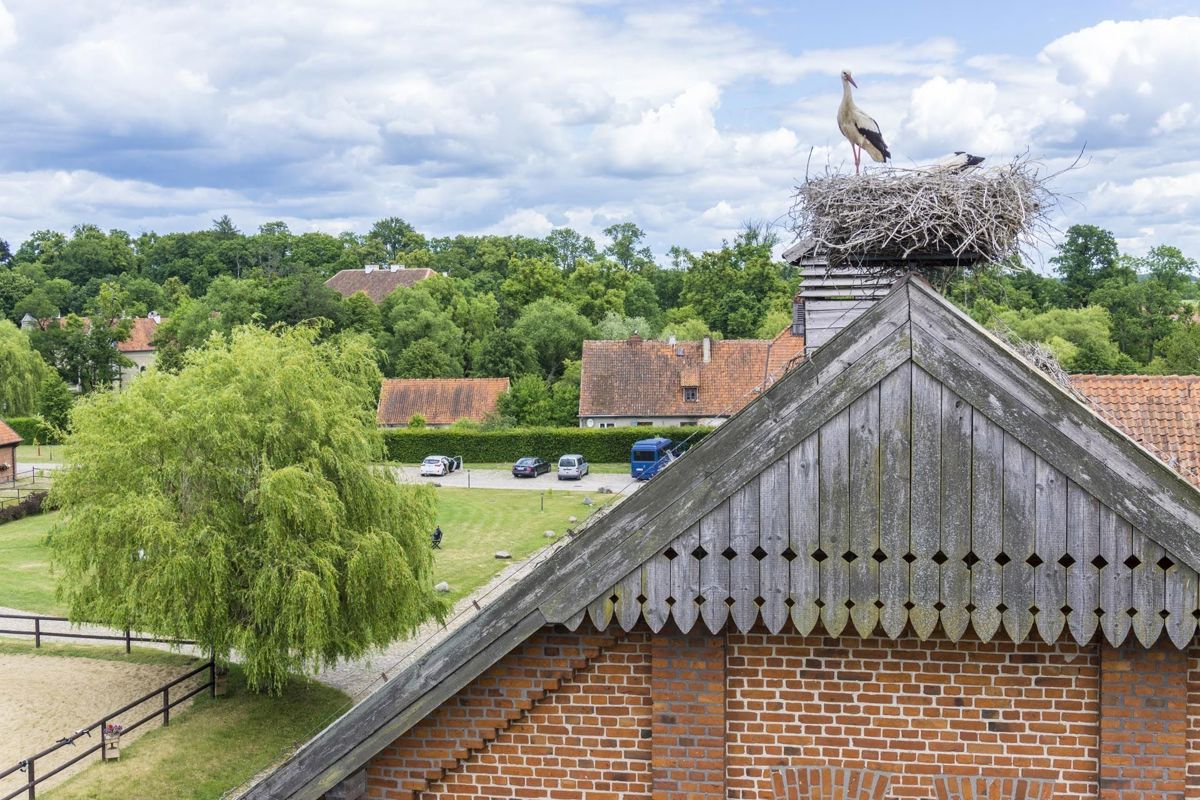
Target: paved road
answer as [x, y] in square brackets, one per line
[502, 479]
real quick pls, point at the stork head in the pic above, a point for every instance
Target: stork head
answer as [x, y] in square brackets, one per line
[848, 78]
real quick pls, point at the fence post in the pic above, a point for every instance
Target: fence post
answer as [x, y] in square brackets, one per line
[166, 705]
[127, 641]
[212, 677]
[32, 781]
[37, 631]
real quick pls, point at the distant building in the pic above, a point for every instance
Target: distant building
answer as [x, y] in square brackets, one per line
[441, 401]
[642, 382]
[9, 439]
[138, 347]
[377, 282]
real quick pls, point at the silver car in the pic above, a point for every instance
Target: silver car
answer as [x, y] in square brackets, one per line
[572, 467]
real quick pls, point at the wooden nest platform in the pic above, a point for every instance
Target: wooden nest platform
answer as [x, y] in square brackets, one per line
[894, 220]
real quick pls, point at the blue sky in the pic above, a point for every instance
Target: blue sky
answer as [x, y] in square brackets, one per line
[516, 117]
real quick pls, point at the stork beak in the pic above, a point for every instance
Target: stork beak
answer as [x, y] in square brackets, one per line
[851, 79]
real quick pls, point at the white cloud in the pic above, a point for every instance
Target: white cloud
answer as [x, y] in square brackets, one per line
[8, 27]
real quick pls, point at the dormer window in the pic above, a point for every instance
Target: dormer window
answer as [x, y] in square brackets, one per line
[691, 394]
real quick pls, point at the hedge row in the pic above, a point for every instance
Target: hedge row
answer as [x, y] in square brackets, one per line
[25, 507]
[598, 445]
[33, 430]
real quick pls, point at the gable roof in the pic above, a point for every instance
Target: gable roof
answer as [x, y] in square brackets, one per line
[913, 439]
[141, 336]
[378, 283]
[645, 378]
[8, 435]
[1160, 412]
[441, 401]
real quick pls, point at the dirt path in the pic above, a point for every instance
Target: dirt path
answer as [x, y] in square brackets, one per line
[43, 698]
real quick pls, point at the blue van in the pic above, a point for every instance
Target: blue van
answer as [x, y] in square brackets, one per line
[648, 456]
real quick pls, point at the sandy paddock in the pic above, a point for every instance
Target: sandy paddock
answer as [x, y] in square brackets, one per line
[43, 698]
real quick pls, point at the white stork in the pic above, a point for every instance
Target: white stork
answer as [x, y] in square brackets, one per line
[862, 131]
[959, 162]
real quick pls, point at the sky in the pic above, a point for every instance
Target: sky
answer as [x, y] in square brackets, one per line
[512, 117]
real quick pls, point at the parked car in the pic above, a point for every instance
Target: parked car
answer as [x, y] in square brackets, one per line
[648, 456]
[572, 467]
[436, 466]
[530, 467]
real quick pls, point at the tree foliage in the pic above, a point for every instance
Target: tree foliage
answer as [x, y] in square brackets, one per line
[234, 503]
[22, 372]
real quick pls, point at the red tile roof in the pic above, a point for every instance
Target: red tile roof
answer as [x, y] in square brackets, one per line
[378, 283]
[441, 401]
[1160, 412]
[8, 435]
[636, 378]
[140, 336]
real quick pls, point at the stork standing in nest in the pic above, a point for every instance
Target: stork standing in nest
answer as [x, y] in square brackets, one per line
[859, 128]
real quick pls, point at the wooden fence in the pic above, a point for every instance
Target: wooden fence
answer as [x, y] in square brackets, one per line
[38, 632]
[28, 766]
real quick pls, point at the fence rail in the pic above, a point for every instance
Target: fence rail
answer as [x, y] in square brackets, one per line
[38, 633]
[29, 765]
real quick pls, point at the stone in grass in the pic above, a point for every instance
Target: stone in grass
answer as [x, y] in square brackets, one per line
[587, 501]
[503, 554]
[442, 587]
[572, 518]
[549, 534]
[604, 490]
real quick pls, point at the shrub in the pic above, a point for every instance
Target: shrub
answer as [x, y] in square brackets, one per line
[34, 430]
[25, 507]
[604, 445]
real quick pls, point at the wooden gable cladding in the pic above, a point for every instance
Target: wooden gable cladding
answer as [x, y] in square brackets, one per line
[911, 507]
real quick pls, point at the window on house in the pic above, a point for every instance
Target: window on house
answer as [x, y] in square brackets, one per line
[691, 394]
[608, 424]
[644, 423]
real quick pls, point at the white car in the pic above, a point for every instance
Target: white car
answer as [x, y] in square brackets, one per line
[435, 466]
[573, 466]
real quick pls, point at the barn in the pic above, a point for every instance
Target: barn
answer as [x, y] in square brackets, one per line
[915, 567]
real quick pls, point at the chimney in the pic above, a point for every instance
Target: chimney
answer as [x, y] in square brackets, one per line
[671, 340]
[393, 267]
[155, 316]
[798, 314]
[369, 268]
[635, 338]
[706, 348]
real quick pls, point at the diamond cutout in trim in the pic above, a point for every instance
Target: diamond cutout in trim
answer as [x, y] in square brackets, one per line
[939, 606]
[615, 598]
[849, 556]
[1003, 559]
[879, 556]
[939, 558]
[670, 601]
[879, 604]
[1034, 561]
[789, 555]
[1165, 563]
[819, 603]
[1066, 561]
[850, 604]
[760, 601]
[1131, 612]
[670, 553]
[1034, 609]
[1001, 607]
[758, 553]
[1099, 612]
[1164, 613]
[700, 600]
[1099, 562]
[729, 553]
[909, 605]
[729, 601]
[789, 602]
[1133, 562]
[909, 558]
[699, 553]
[970, 559]
[819, 555]
[971, 608]
[1066, 610]
[640, 599]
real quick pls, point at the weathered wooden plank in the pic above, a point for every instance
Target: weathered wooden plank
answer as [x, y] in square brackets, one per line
[714, 567]
[742, 555]
[656, 586]
[1104, 461]
[1181, 605]
[834, 506]
[987, 525]
[895, 419]
[1115, 578]
[576, 619]
[685, 579]
[773, 568]
[1149, 589]
[628, 607]
[955, 536]
[1020, 531]
[1083, 576]
[601, 609]
[804, 535]
[925, 577]
[864, 511]
[1049, 575]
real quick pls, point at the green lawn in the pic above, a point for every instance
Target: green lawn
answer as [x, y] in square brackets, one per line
[108, 651]
[212, 747]
[25, 580]
[477, 522]
[45, 454]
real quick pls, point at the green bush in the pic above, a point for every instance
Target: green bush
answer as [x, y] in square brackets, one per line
[603, 445]
[34, 430]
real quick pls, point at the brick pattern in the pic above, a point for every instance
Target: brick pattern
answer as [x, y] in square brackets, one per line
[978, 787]
[688, 730]
[590, 740]
[1143, 723]
[479, 713]
[829, 783]
[1193, 724]
[914, 709]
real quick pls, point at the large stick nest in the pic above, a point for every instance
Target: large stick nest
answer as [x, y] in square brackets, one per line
[888, 216]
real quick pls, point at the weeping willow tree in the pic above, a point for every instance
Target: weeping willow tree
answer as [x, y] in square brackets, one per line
[234, 503]
[21, 372]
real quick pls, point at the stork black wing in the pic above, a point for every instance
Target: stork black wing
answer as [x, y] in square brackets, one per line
[875, 138]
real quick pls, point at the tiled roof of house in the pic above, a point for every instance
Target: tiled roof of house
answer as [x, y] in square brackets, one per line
[1160, 412]
[140, 335]
[8, 435]
[441, 401]
[638, 378]
[378, 283]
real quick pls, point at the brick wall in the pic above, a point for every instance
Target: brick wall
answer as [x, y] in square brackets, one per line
[8, 456]
[914, 709]
[688, 734]
[1193, 725]
[1144, 722]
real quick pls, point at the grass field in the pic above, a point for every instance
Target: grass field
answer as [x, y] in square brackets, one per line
[46, 454]
[25, 579]
[478, 522]
[214, 746]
